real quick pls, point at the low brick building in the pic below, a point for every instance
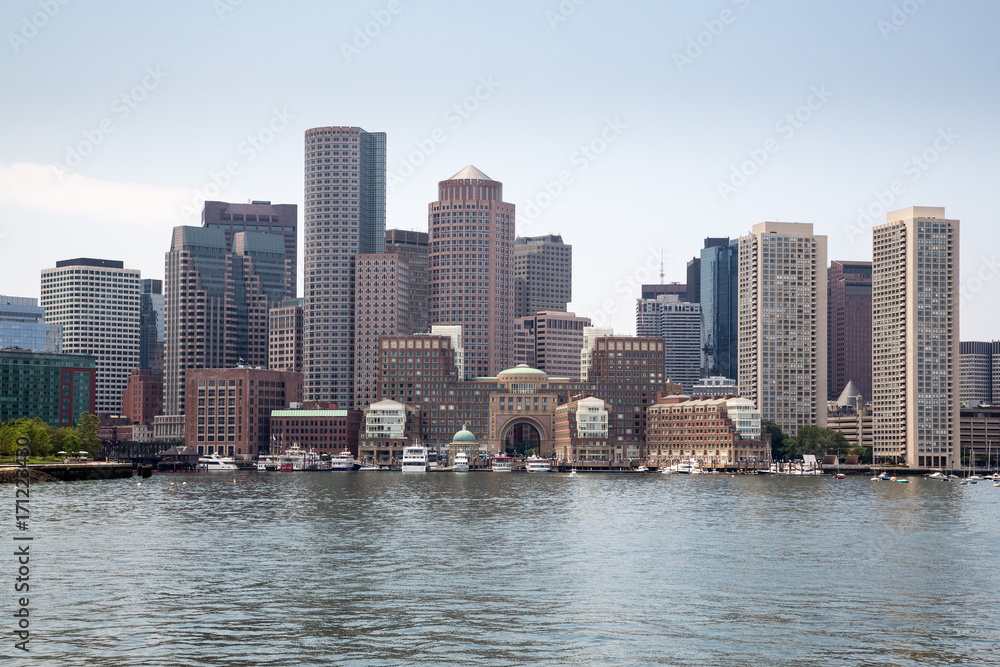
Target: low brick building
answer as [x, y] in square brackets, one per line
[318, 427]
[720, 432]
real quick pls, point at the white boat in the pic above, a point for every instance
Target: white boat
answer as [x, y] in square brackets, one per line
[370, 468]
[501, 463]
[342, 461]
[642, 469]
[461, 463]
[213, 462]
[689, 467]
[293, 460]
[538, 464]
[267, 462]
[414, 458]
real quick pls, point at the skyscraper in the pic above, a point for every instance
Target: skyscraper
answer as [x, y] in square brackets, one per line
[381, 308]
[782, 323]
[980, 372]
[285, 334]
[849, 343]
[413, 246]
[678, 323]
[543, 274]
[915, 338]
[344, 216]
[23, 325]
[550, 341]
[718, 293]
[151, 326]
[97, 303]
[472, 268]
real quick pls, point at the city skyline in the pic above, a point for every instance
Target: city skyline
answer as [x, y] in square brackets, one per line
[777, 124]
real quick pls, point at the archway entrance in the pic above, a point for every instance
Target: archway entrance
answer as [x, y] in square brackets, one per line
[522, 439]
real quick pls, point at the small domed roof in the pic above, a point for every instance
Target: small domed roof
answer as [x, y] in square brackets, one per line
[521, 369]
[464, 435]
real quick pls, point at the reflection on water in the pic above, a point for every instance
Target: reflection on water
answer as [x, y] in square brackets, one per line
[488, 569]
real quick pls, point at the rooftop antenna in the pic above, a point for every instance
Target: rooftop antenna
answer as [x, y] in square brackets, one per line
[661, 266]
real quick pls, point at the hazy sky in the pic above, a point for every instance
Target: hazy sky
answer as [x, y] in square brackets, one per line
[631, 128]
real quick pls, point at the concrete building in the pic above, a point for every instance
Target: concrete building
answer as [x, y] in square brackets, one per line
[151, 325]
[849, 322]
[782, 323]
[590, 336]
[318, 427]
[653, 290]
[543, 274]
[915, 341]
[228, 410]
[715, 386]
[23, 325]
[284, 332]
[389, 426]
[96, 302]
[581, 431]
[678, 323]
[264, 218]
[980, 436]
[550, 341]
[56, 388]
[713, 432]
[472, 268]
[414, 246]
[381, 308]
[979, 369]
[344, 216]
[454, 332]
[852, 415]
[142, 400]
[718, 297]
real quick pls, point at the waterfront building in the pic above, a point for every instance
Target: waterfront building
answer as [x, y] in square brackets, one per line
[580, 430]
[56, 388]
[23, 325]
[389, 426]
[980, 435]
[381, 308]
[715, 386]
[590, 336]
[915, 341]
[168, 428]
[711, 431]
[151, 325]
[849, 320]
[264, 218]
[782, 323]
[852, 416]
[284, 333]
[142, 400]
[414, 246]
[718, 293]
[317, 427]
[228, 410]
[344, 216]
[543, 274]
[979, 370]
[550, 341]
[471, 281]
[678, 323]
[96, 302]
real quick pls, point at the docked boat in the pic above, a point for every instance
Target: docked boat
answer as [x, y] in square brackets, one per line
[266, 462]
[461, 463]
[501, 463]
[642, 469]
[293, 460]
[840, 475]
[342, 461]
[414, 458]
[538, 464]
[213, 462]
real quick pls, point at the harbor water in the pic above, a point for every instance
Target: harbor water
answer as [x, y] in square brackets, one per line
[380, 568]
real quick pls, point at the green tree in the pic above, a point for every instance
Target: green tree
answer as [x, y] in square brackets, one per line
[779, 441]
[819, 442]
[86, 431]
[8, 439]
[864, 454]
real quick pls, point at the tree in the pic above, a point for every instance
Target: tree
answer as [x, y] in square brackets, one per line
[86, 431]
[779, 441]
[819, 441]
[38, 433]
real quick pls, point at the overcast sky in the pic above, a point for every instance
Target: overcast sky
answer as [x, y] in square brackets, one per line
[634, 129]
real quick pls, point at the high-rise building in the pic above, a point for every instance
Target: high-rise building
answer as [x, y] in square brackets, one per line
[23, 325]
[381, 308]
[651, 291]
[264, 218]
[96, 301]
[142, 400]
[590, 336]
[413, 246]
[472, 268]
[56, 388]
[849, 319]
[782, 323]
[344, 216]
[718, 294]
[543, 274]
[285, 334]
[550, 341]
[678, 323]
[693, 280]
[980, 373]
[915, 338]
[151, 325]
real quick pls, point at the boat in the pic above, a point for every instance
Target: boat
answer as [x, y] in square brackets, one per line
[689, 467]
[293, 460]
[840, 475]
[642, 469]
[538, 464]
[414, 458]
[573, 471]
[371, 467]
[342, 461]
[937, 475]
[461, 462]
[501, 463]
[267, 462]
[213, 462]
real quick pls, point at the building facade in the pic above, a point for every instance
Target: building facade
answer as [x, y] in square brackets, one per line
[96, 302]
[714, 432]
[550, 341]
[543, 274]
[915, 338]
[318, 427]
[381, 308]
[979, 369]
[472, 268]
[56, 388]
[151, 325]
[782, 323]
[718, 294]
[414, 246]
[980, 436]
[581, 431]
[590, 336]
[849, 320]
[678, 323]
[142, 400]
[344, 216]
[284, 332]
[23, 325]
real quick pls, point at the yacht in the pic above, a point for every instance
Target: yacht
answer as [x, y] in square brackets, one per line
[267, 462]
[213, 462]
[538, 464]
[342, 461]
[414, 458]
[501, 463]
[461, 463]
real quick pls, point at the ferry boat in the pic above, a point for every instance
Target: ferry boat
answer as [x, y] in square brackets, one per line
[293, 460]
[538, 464]
[461, 463]
[342, 461]
[414, 458]
[266, 462]
[501, 463]
[213, 462]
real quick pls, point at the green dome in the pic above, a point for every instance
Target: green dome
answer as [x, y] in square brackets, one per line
[464, 435]
[521, 369]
